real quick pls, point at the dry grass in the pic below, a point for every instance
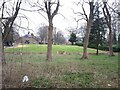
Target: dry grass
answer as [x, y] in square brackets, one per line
[65, 71]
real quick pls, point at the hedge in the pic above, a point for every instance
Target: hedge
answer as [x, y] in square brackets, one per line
[105, 48]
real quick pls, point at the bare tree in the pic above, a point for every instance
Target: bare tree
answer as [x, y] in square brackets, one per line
[7, 20]
[118, 24]
[47, 7]
[88, 28]
[59, 38]
[1, 42]
[89, 19]
[50, 14]
[73, 30]
[2, 58]
[115, 10]
[108, 21]
[42, 33]
[114, 27]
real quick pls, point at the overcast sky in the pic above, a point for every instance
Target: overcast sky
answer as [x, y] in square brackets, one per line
[63, 20]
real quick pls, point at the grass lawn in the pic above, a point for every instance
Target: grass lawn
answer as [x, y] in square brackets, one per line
[65, 71]
[43, 48]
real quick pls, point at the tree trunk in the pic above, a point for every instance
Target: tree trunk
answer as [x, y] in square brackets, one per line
[108, 21]
[86, 40]
[110, 39]
[72, 43]
[97, 49]
[50, 40]
[98, 41]
[50, 15]
[114, 37]
[88, 30]
[110, 42]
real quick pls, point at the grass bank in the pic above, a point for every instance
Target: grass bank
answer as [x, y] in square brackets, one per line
[65, 71]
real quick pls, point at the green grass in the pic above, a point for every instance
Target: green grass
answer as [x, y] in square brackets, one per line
[43, 48]
[64, 71]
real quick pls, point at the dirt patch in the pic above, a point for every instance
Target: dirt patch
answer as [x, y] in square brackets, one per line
[19, 46]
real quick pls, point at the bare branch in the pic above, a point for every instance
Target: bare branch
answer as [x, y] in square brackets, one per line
[106, 14]
[56, 10]
[113, 9]
[24, 16]
[84, 13]
[62, 15]
[9, 22]
[2, 9]
[43, 16]
[46, 7]
[23, 27]
[33, 10]
[77, 12]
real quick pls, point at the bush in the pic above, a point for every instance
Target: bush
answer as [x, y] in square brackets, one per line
[116, 48]
[79, 44]
[92, 46]
[105, 48]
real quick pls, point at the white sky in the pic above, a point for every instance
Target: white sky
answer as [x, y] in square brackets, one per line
[62, 23]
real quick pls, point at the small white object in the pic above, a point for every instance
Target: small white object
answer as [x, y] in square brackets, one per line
[25, 79]
[109, 85]
[20, 53]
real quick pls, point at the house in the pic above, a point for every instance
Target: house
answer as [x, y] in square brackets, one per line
[28, 39]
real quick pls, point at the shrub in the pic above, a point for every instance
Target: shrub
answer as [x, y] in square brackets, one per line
[92, 46]
[79, 44]
[105, 48]
[116, 48]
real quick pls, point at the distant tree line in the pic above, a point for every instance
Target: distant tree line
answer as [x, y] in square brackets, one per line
[58, 37]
